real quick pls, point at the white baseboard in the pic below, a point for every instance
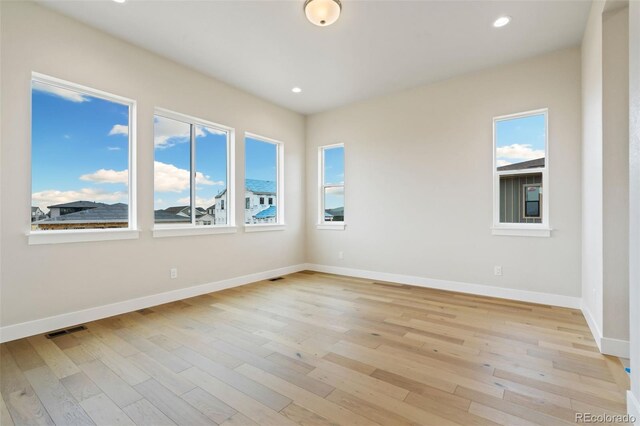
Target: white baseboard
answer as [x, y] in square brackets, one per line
[607, 345]
[43, 325]
[633, 407]
[478, 289]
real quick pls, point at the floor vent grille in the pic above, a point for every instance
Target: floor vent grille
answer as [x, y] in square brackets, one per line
[276, 279]
[55, 334]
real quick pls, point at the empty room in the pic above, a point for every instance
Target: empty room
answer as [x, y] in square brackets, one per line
[319, 212]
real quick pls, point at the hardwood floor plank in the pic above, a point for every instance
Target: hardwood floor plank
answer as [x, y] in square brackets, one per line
[209, 405]
[144, 413]
[80, 386]
[171, 405]
[58, 401]
[110, 383]
[104, 412]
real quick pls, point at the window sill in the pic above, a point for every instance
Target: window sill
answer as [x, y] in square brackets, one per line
[332, 226]
[62, 237]
[264, 228]
[187, 231]
[521, 231]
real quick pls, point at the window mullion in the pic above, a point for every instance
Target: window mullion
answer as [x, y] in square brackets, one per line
[192, 143]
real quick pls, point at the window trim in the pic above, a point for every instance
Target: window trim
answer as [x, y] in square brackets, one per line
[178, 229]
[280, 223]
[322, 223]
[522, 229]
[86, 235]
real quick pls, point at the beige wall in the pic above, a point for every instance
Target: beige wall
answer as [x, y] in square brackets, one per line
[634, 164]
[40, 281]
[615, 161]
[592, 211]
[419, 179]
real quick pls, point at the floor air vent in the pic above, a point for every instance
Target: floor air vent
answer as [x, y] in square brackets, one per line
[55, 334]
[276, 279]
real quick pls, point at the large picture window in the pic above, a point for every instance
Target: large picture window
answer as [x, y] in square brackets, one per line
[263, 181]
[331, 177]
[191, 171]
[520, 171]
[82, 145]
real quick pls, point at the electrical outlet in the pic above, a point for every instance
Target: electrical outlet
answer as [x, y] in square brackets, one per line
[497, 270]
[340, 255]
[173, 273]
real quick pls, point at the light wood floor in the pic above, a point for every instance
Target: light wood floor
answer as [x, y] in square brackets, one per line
[316, 349]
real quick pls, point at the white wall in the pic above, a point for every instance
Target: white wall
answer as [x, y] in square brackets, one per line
[634, 201]
[419, 180]
[40, 281]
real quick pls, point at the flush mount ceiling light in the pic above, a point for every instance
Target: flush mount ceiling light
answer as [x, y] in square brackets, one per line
[501, 21]
[296, 90]
[119, 1]
[322, 12]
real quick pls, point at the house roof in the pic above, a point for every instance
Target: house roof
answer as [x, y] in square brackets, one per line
[35, 209]
[260, 186]
[338, 211]
[267, 213]
[164, 216]
[175, 209]
[79, 204]
[104, 213]
[530, 164]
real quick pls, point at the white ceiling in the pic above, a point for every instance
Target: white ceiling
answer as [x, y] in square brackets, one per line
[376, 47]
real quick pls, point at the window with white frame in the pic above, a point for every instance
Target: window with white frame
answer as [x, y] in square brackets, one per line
[263, 181]
[520, 170]
[191, 170]
[82, 146]
[331, 179]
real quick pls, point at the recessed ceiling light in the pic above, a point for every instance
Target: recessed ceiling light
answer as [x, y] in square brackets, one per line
[501, 21]
[296, 90]
[119, 1]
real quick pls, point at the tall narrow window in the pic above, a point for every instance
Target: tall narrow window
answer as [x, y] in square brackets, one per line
[331, 178]
[81, 149]
[191, 171]
[521, 165]
[263, 179]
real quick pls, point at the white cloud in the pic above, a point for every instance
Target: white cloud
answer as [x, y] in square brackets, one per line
[50, 197]
[335, 190]
[107, 176]
[65, 94]
[169, 178]
[119, 129]
[113, 148]
[167, 132]
[503, 163]
[519, 152]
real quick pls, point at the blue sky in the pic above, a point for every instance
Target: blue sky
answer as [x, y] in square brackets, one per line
[520, 139]
[260, 160]
[334, 174]
[79, 147]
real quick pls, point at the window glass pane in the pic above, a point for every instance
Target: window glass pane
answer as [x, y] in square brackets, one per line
[514, 207]
[261, 162]
[211, 175]
[334, 204]
[79, 160]
[520, 143]
[334, 166]
[533, 209]
[172, 183]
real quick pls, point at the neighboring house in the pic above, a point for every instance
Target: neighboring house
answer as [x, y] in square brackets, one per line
[73, 207]
[101, 217]
[37, 214]
[182, 214]
[521, 194]
[334, 215]
[259, 203]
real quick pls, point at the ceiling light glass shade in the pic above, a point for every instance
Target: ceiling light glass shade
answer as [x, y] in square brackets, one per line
[322, 12]
[501, 21]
